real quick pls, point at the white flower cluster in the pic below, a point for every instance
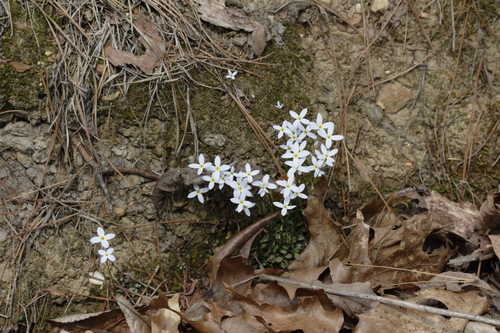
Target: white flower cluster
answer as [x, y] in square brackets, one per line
[102, 238]
[300, 133]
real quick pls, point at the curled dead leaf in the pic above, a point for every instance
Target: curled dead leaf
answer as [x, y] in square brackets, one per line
[166, 320]
[490, 211]
[19, 66]
[152, 41]
[325, 237]
[216, 13]
[462, 219]
[235, 244]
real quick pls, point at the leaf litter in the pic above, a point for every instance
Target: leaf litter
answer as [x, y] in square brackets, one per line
[386, 270]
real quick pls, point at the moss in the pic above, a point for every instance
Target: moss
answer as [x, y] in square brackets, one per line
[28, 44]
[281, 241]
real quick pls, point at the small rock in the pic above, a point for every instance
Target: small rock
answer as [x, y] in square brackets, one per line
[96, 278]
[120, 150]
[24, 160]
[132, 131]
[393, 97]
[378, 5]
[125, 221]
[119, 211]
[3, 235]
[473, 327]
[215, 140]
[133, 153]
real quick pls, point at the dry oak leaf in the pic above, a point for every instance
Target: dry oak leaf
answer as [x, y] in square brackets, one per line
[490, 211]
[150, 38]
[462, 219]
[166, 320]
[311, 314]
[108, 321]
[19, 66]
[395, 260]
[385, 318]
[216, 12]
[457, 281]
[325, 237]
[495, 241]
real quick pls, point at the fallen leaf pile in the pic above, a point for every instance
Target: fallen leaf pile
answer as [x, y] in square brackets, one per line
[396, 250]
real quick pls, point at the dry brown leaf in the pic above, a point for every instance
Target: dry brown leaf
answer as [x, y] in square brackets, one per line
[151, 40]
[19, 66]
[243, 323]
[203, 319]
[135, 321]
[233, 245]
[359, 240]
[352, 305]
[396, 259]
[270, 293]
[408, 254]
[462, 219]
[384, 318]
[309, 314]
[490, 211]
[495, 242]
[301, 275]
[480, 254]
[457, 281]
[109, 321]
[325, 237]
[232, 270]
[166, 320]
[216, 12]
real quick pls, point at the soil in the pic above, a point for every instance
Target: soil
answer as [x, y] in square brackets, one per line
[421, 107]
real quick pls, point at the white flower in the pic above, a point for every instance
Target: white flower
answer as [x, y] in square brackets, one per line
[299, 118]
[198, 192]
[320, 125]
[297, 192]
[316, 166]
[229, 175]
[326, 156]
[287, 186]
[248, 173]
[231, 75]
[285, 206]
[288, 147]
[211, 181]
[329, 137]
[283, 129]
[279, 105]
[243, 205]
[102, 238]
[217, 168]
[296, 137]
[201, 165]
[308, 131]
[296, 165]
[106, 255]
[241, 189]
[297, 151]
[264, 185]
